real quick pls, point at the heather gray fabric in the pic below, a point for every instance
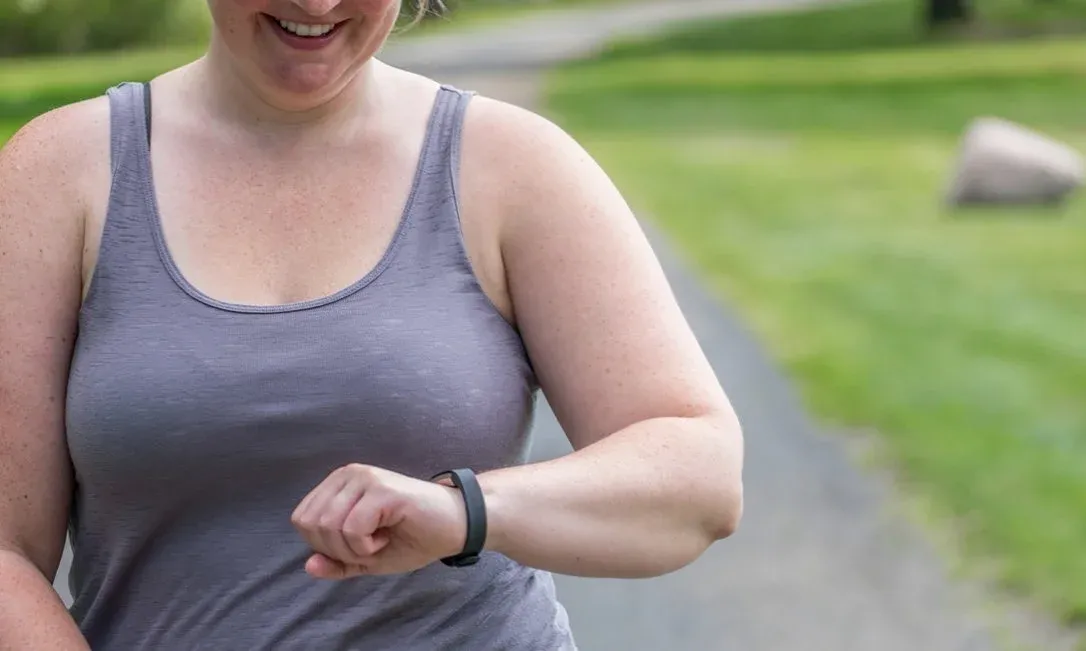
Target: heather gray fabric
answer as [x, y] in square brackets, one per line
[195, 428]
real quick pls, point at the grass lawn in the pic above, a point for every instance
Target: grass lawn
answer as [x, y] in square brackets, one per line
[799, 161]
[29, 87]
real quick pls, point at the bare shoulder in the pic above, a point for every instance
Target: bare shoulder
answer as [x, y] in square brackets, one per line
[552, 194]
[530, 158]
[519, 174]
[63, 132]
[58, 156]
[607, 338]
[500, 164]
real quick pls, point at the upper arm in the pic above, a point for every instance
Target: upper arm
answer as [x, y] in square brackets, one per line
[41, 243]
[605, 334]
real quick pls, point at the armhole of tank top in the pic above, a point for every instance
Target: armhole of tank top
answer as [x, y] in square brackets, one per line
[462, 103]
[147, 110]
[120, 126]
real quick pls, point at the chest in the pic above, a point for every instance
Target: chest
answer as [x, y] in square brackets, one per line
[239, 400]
[272, 227]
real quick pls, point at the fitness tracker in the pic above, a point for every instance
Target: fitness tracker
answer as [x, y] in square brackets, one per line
[475, 507]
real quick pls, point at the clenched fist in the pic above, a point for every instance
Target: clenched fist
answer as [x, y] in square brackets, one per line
[366, 520]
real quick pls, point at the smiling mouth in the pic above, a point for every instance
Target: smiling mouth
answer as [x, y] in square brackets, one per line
[314, 31]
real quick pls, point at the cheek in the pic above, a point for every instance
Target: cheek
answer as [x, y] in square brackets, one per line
[235, 10]
[249, 6]
[378, 8]
[230, 15]
[378, 18]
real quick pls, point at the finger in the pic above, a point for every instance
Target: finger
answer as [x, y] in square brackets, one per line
[322, 567]
[307, 516]
[362, 528]
[331, 519]
[303, 513]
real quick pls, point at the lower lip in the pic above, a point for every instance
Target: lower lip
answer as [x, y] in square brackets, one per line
[302, 42]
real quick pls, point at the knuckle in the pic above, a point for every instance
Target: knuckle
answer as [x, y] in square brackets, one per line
[360, 471]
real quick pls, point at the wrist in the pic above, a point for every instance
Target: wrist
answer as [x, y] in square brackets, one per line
[453, 543]
[496, 512]
[471, 518]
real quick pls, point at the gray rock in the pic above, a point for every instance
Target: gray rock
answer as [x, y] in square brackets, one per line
[1005, 163]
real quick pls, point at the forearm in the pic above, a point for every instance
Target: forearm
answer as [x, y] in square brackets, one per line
[32, 616]
[645, 501]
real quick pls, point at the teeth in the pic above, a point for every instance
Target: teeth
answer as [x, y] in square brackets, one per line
[306, 30]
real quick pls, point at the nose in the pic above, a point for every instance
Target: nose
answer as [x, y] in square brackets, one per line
[317, 7]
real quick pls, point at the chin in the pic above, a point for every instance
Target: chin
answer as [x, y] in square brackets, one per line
[301, 79]
[305, 86]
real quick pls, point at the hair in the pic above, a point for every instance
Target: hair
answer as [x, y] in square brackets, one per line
[423, 7]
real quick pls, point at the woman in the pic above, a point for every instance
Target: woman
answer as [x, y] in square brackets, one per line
[248, 327]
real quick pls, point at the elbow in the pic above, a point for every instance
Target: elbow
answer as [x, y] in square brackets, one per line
[724, 507]
[728, 512]
[719, 521]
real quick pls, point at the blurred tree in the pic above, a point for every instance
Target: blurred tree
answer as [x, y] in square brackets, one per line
[47, 26]
[946, 12]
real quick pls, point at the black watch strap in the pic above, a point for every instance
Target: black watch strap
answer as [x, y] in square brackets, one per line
[475, 506]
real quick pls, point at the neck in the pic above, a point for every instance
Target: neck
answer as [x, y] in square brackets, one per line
[229, 96]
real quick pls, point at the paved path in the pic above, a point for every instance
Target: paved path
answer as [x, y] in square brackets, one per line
[821, 563]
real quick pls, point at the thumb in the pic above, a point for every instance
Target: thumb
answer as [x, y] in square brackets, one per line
[322, 567]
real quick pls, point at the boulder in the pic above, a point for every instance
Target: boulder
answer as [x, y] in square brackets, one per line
[1002, 163]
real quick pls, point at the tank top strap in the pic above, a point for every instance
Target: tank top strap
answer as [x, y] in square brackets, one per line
[433, 220]
[129, 116]
[443, 136]
[128, 240]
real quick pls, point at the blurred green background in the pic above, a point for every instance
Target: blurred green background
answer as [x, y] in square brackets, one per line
[799, 159]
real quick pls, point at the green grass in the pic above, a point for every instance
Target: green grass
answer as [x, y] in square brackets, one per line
[29, 87]
[807, 187]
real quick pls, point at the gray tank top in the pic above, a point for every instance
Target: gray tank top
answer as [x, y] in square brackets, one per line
[196, 426]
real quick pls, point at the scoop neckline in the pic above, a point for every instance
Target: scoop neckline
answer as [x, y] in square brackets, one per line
[168, 261]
